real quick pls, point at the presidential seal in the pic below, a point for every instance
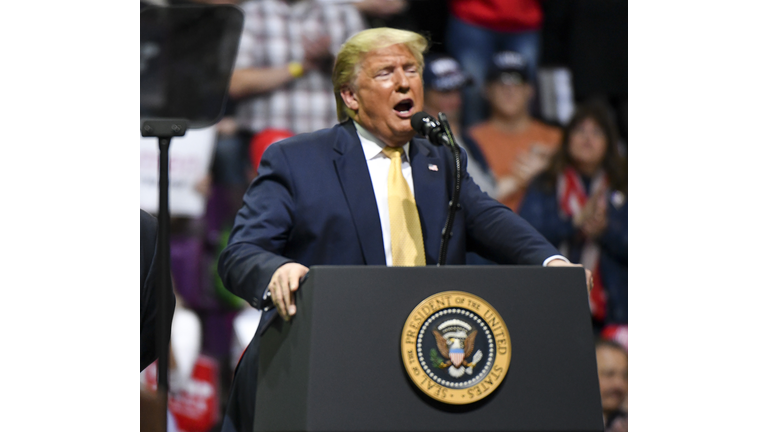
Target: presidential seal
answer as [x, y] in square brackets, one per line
[455, 347]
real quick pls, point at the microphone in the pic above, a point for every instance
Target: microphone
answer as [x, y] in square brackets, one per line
[429, 127]
[439, 132]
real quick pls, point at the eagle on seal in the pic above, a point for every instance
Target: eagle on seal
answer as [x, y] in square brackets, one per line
[452, 349]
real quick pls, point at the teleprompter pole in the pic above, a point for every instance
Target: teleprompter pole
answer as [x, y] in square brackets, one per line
[164, 130]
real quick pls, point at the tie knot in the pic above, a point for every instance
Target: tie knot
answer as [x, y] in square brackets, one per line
[392, 152]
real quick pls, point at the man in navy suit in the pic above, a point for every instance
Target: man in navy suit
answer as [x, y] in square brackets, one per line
[321, 198]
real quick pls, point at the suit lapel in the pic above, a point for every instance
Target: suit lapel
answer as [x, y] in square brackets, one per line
[429, 192]
[355, 180]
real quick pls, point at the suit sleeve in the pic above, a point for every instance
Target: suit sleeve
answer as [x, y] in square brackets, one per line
[261, 230]
[495, 232]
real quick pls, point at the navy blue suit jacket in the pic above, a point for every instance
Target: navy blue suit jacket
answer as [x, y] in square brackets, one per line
[313, 203]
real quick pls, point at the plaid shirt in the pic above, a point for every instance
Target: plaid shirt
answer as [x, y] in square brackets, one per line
[272, 36]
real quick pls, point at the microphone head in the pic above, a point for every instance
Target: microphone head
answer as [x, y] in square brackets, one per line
[423, 123]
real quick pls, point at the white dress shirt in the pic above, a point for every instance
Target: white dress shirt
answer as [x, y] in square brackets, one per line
[378, 168]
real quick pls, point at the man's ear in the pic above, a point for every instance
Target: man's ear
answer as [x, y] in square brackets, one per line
[350, 98]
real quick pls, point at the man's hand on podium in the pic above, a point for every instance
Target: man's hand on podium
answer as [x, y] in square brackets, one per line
[561, 263]
[285, 281]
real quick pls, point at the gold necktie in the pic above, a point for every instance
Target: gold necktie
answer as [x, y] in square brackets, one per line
[404, 224]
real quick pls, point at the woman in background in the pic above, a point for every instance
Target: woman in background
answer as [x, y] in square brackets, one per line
[580, 205]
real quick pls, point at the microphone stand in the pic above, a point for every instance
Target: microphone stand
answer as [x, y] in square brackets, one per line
[164, 130]
[453, 205]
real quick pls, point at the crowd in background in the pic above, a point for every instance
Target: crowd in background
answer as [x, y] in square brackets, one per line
[534, 90]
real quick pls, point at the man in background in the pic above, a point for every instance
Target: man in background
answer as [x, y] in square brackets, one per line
[444, 80]
[476, 29]
[282, 75]
[612, 371]
[516, 146]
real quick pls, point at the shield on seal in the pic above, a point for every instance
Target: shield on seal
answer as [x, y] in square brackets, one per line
[457, 356]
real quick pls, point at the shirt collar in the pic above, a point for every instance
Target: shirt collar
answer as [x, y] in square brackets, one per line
[372, 146]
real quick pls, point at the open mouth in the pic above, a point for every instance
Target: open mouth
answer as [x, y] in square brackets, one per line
[404, 108]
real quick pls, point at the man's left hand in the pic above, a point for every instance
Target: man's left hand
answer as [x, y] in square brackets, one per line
[587, 272]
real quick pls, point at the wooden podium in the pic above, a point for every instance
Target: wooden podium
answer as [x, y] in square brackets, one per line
[337, 365]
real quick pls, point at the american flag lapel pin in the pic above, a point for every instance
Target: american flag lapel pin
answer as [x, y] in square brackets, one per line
[432, 167]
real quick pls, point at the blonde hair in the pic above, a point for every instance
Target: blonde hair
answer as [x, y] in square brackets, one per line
[352, 53]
